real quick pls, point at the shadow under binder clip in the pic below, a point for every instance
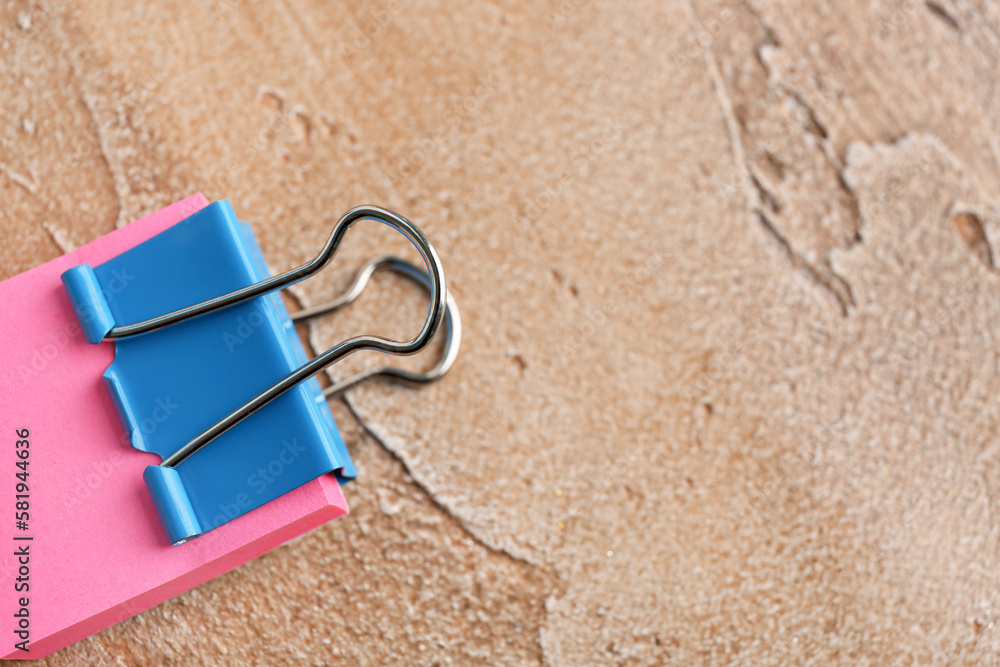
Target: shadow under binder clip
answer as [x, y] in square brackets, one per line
[234, 352]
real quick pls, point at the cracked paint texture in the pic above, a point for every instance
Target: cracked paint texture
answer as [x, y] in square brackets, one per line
[728, 392]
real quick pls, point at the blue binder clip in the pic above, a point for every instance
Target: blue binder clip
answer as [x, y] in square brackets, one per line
[234, 352]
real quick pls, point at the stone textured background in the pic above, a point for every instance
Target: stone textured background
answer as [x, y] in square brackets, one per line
[729, 389]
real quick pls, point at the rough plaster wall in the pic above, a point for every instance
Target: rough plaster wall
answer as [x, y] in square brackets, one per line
[728, 391]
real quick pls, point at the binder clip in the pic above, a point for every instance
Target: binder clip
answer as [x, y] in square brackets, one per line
[206, 350]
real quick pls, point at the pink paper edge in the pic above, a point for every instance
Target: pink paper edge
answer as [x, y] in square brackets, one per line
[229, 561]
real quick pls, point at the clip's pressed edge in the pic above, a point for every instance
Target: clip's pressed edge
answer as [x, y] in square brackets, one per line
[113, 384]
[172, 504]
[89, 304]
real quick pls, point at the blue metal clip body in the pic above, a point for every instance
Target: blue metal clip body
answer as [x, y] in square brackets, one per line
[170, 385]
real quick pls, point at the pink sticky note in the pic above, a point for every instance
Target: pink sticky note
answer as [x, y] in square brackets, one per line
[97, 553]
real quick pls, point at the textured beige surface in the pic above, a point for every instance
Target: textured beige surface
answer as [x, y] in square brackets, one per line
[729, 390]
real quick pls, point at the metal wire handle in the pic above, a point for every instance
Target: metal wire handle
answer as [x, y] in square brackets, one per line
[435, 315]
[452, 325]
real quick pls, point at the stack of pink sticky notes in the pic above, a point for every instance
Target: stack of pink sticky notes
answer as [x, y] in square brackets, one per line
[84, 545]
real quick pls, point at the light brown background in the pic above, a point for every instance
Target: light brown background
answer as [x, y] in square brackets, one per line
[729, 389]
